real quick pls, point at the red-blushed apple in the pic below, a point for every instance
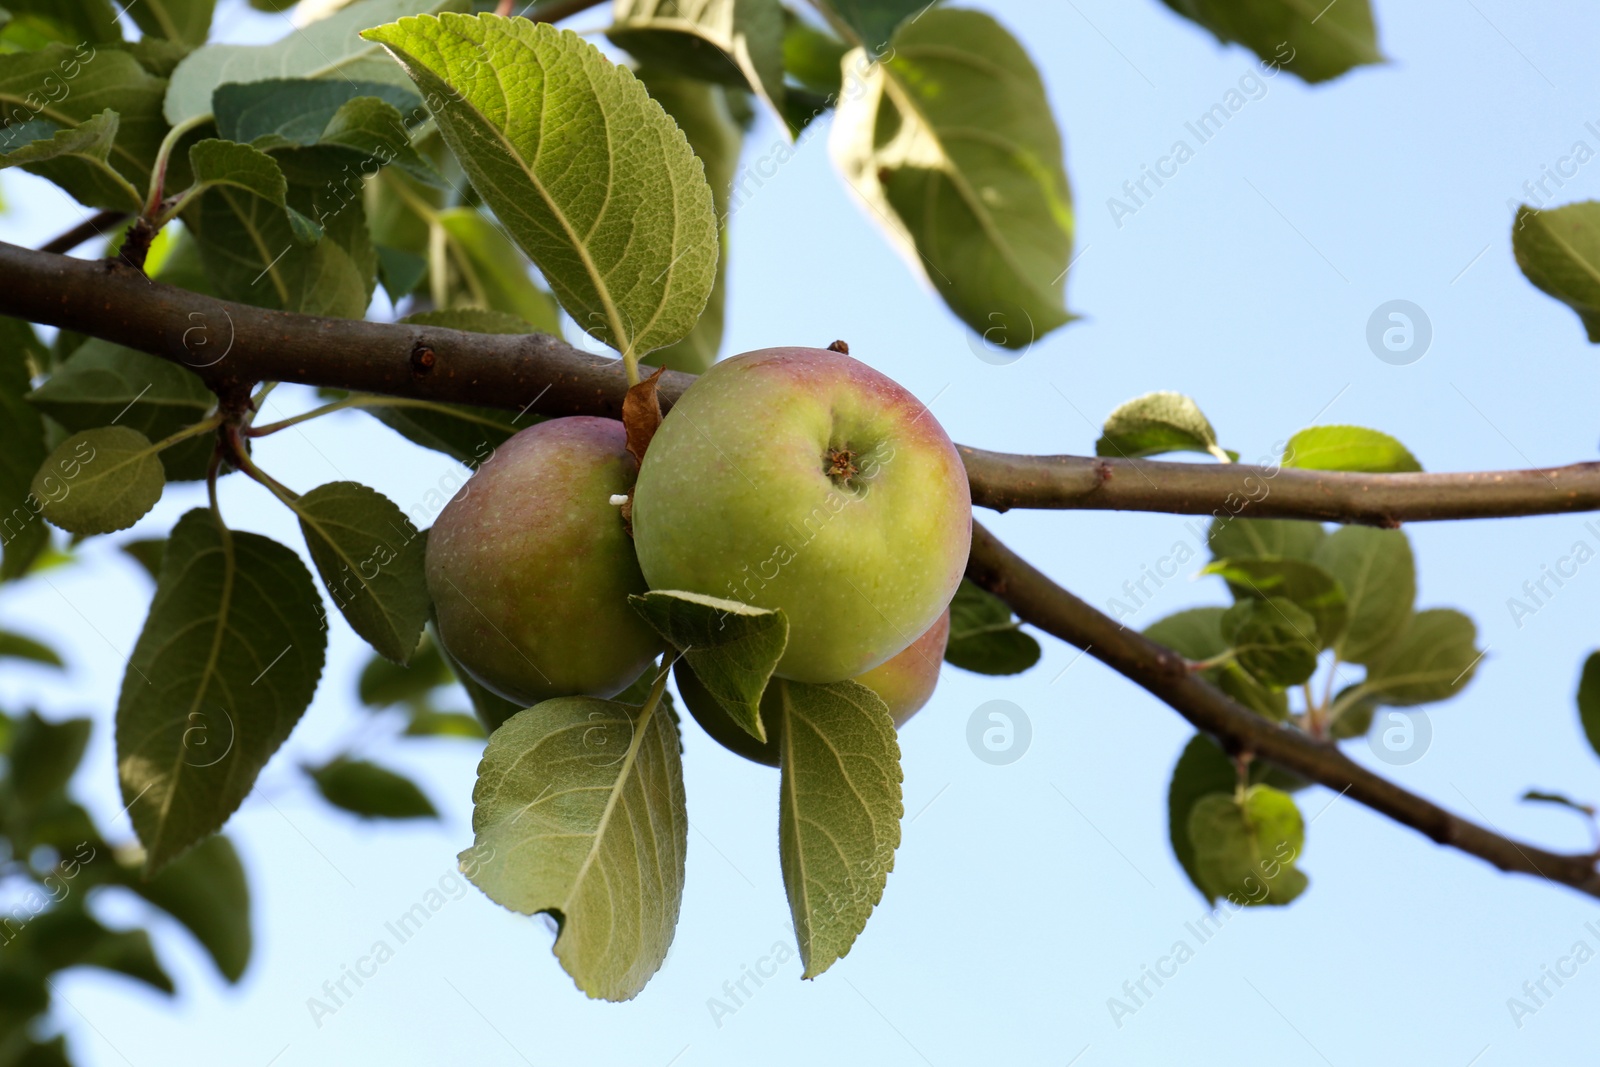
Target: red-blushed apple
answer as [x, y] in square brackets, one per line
[905, 682]
[802, 479]
[530, 567]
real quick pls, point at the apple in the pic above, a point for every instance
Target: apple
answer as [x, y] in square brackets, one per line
[905, 682]
[802, 479]
[530, 567]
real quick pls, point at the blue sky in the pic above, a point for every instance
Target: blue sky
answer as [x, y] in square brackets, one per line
[1024, 895]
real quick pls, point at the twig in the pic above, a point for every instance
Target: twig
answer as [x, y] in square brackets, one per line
[1038, 600]
[94, 226]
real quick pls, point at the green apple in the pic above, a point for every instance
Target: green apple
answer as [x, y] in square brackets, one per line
[905, 682]
[530, 567]
[802, 479]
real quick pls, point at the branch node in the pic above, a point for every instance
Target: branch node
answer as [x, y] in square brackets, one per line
[422, 359]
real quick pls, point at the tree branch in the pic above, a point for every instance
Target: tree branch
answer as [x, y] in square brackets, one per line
[233, 346]
[230, 344]
[94, 226]
[1002, 481]
[1038, 600]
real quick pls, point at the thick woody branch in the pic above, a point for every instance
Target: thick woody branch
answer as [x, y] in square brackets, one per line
[1038, 600]
[230, 344]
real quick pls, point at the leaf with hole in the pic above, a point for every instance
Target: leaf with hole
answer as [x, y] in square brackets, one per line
[579, 812]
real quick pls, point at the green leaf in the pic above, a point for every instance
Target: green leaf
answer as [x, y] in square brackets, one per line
[1245, 848]
[206, 890]
[738, 42]
[732, 647]
[370, 558]
[1309, 586]
[607, 198]
[1155, 423]
[1310, 39]
[188, 21]
[721, 727]
[1379, 578]
[444, 724]
[328, 48]
[384, 683]
[1275, 640]
[1559, 251]
[23, 535]
[874, 21]
[951, 142]
[217, 162]
[702, 113]
[261, 253]
[1196, 634]
[88, 143]
[102, 384]
[282, 111]
[146, 552]
[1348, 448]
[1432, 659]
[1350, 714]
[225, 666]
[985, 637]
[491, 708]
[494, 274]
[371, 791]
[839, 812]
[78, 20]
[579, 812]
[1589, 701]
[1202, 769]
[44, 756]
[69, 937]
[17, 646]
[100, 481]
[1264, 538]
[813, 57]
[66, 87]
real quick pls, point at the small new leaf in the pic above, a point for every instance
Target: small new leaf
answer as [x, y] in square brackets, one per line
[731, 646]
[1379, 578]
[371, 791]
[1275, 640]
[1432, 659]
[371, 559]
[839, 812]
[985, 637]
[1348, 448]
[1246, 848]
[579, 812]
[1155, 423]
[1559, 251]
[100, 481]
[1306, 584]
